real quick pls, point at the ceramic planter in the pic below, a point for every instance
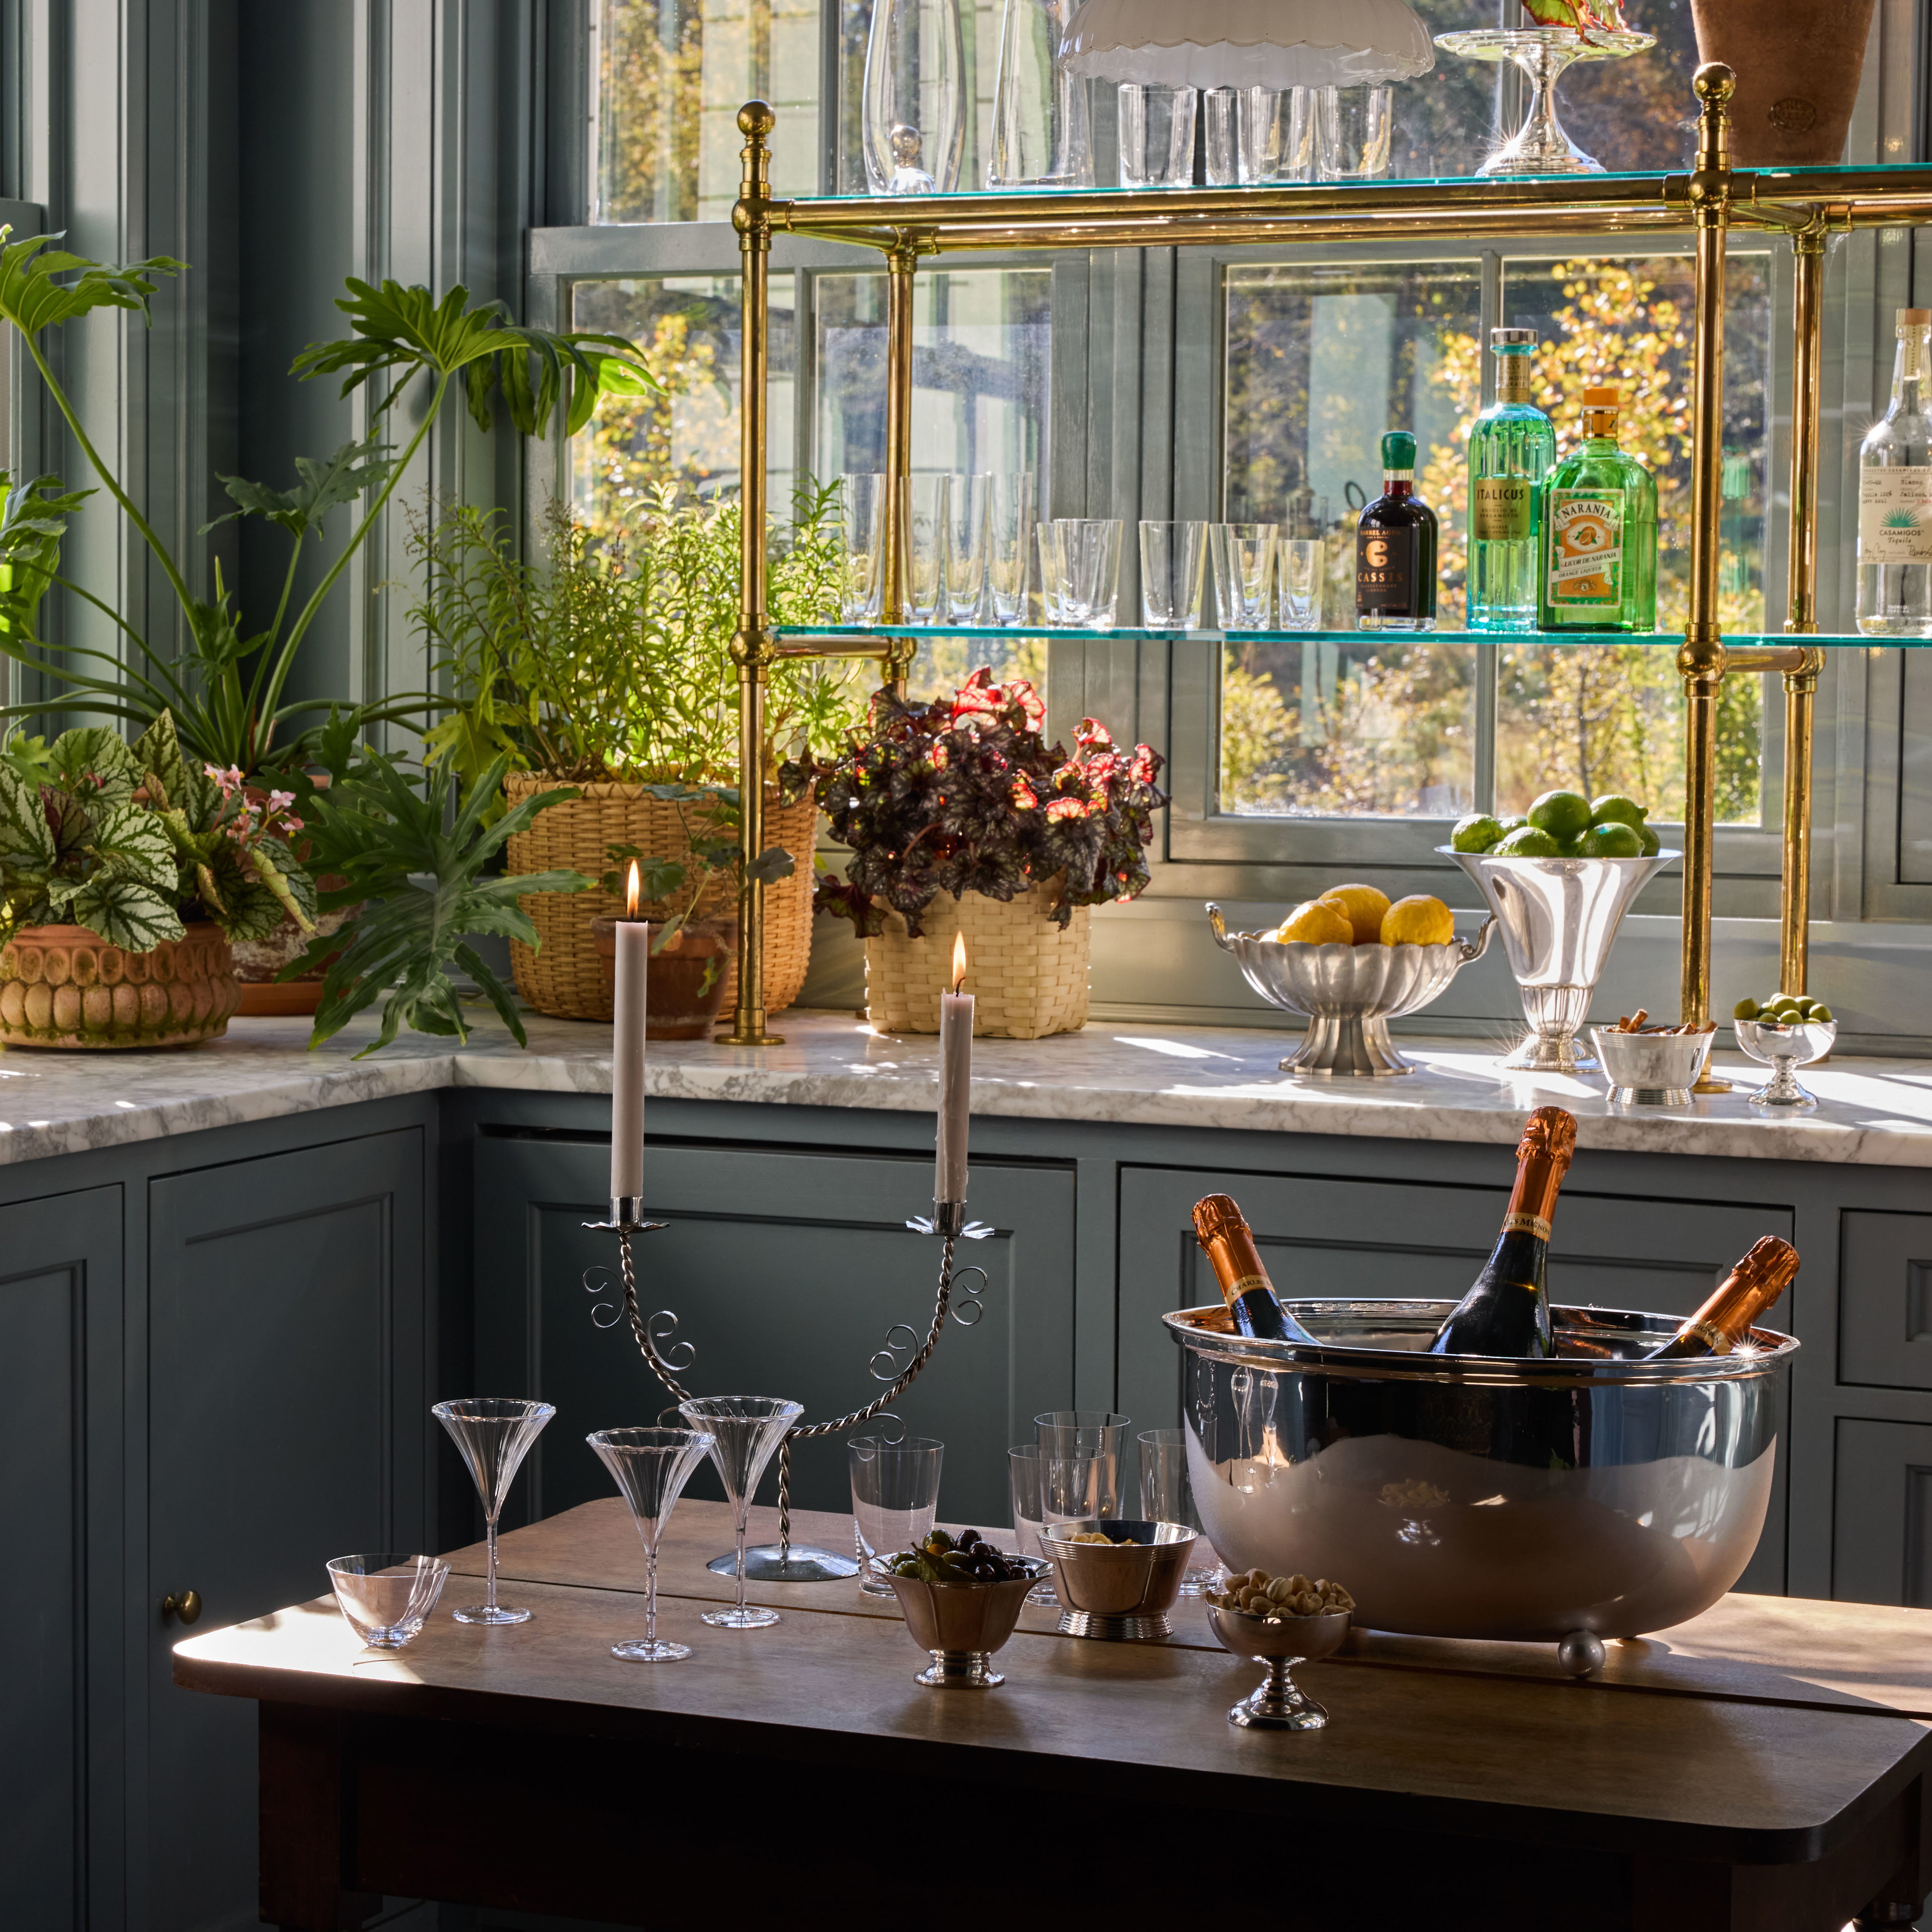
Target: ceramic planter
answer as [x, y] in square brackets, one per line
[64, 986]
[1798, 65]
[686, 985]
[258, 961]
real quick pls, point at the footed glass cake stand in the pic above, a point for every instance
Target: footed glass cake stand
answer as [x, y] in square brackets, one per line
[1540, 146]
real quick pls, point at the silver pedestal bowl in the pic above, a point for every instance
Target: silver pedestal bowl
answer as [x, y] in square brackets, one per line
[1348, 993]
[1558, 918]
[1592, 1495]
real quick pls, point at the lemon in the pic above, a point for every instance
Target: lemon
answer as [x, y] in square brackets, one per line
[1561, 814]
[1317, 923]
[1362, 906]
[1476, 833]
[1418, 920]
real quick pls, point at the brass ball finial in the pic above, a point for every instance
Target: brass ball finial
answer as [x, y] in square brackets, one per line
[756, 118]
[1714, 81]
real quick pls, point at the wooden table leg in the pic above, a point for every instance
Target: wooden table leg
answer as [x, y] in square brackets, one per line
[305, 1822]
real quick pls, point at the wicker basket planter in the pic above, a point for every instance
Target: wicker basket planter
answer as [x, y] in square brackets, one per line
[565, 978]
[1028, 976]
[64, 986]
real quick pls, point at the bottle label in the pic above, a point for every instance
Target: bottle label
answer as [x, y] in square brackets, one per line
[1526, 1224]
[1895, 514]
[1246, 1285]
[1500, 510]
[1707, 1332]
[1385, 572]
[1586, 548]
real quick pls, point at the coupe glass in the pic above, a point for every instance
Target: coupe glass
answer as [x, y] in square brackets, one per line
[861, 507]
[1086, 558]
[1300, 575]
[493, 1434]
[968, 532]
[927, 521]
[895, 1497]
[650, 1468]
[1009, 529]
[1023, 1480]
[1156, 126]
[1174, 566]
[1166, 1495]
[1244, 556]
[744, 1430]
[387, 1599]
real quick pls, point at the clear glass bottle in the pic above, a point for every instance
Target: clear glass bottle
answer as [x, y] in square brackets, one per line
[1042, 135]
[1895, 497]
[1512, 447]
[1395, 548]
[1600, 532]
[914, 120]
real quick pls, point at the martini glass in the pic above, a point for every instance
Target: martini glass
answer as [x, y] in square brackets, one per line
[650, 1467]
[493, 1434]
[744, 1430]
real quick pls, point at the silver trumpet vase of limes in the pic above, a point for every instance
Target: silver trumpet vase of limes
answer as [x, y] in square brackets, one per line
[1559, 880]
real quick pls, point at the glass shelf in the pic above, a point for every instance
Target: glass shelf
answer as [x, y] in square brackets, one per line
[1655, 639]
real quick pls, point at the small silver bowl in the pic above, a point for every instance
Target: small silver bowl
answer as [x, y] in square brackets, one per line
[1280, 1643]
[1784, 1049]
[961, 1624]
[1652, 1069]
[1120, 1592]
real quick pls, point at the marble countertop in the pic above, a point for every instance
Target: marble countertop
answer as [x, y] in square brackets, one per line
[1873, 1112]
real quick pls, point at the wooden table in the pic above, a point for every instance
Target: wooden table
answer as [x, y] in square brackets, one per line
[1764, 1768]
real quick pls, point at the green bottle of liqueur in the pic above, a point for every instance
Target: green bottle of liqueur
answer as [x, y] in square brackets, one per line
[1599, 531]
[1395, 548]
[1512, 447]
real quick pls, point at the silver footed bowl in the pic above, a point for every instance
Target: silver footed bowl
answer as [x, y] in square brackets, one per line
[1468, 1496]
[1279, 1704]
[1122, 1591]
[1348, 993]
[1784, 1049]
[961, 1624]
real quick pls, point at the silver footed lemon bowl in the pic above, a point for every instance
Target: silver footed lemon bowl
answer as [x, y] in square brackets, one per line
[1349, 994]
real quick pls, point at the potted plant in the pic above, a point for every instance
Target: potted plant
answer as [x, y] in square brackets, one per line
[962, 820]
[223, 683]
[1798, 65]
[607, 665]
[124, 874]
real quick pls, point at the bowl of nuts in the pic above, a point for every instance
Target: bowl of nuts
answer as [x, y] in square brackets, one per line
[1118, 1577]
[1279, 1621]
[1652, 1065]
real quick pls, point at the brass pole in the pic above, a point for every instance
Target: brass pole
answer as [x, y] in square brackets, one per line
[1701, 660]
[753, 646]
[1801, 691]
[901, 263]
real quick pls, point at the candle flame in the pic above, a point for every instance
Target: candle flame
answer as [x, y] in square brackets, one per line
[959, 960]
[631, 893]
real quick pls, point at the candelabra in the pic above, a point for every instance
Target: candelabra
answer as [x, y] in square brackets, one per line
[898, 1362]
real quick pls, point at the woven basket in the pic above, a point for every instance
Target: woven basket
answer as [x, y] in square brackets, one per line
[565, 978]
[1028, 977]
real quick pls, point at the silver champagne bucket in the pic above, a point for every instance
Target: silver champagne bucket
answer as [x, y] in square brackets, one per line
[1559, 917]
[1461, 1496]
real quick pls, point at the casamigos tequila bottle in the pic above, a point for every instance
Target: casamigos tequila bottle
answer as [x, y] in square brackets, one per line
[1600, 532]
[1895, 497]
[1395, 548]
[1512, 447]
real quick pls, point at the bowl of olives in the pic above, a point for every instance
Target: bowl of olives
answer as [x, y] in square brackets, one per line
[1118, 1577]
[962, 1598]
[1784, 1033]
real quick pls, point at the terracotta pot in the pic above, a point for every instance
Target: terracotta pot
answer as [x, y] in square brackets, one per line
[685, 987]
[1798, 64]
[62, 986]
[258, 961]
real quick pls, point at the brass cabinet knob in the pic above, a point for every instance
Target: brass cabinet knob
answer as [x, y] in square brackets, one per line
[187, 1607]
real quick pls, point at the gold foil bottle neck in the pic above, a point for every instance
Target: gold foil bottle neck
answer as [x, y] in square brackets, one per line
[1550, 1133]
[1216, 1217]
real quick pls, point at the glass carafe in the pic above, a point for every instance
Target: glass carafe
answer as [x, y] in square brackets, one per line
[1043, 134]
[915, 78]
[1895, 540]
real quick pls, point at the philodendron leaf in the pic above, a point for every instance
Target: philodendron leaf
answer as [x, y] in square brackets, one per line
[32, 299]
[26, 840]
[326, 482]
[126, 913]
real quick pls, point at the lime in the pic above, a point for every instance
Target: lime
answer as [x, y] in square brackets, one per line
[1613, 839]
[1476, 833]
[1614, 805]
[1526, 842]
[1563, 815]
[1652, 844]
[1515, 822]
[1745, 1009]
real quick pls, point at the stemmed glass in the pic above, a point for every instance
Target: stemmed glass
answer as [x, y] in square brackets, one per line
[651, 1467]
[493, 1434]
[744, 1430]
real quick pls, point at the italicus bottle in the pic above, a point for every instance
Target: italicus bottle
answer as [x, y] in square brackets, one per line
[1395, 548]
[1600, 532]
[1747, 1291]
[1251, 1301]
[1895, 497]
[1512, 447]
[1506, 1313]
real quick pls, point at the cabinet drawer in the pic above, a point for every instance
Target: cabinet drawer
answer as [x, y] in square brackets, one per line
[1885, 1299]
[1882, 1520]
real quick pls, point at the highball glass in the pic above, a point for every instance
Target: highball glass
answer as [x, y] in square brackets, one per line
[928, 533]
[387, 1599]
[895, 1497]
[650, 1468]
[1087, 557]
[1165, 1495]
[968, 535]
[1023, 1483]
[493, 1434]
[1156, 126]
[745, 1429]
[1080, 1455]
[862, 512]
[1243, 555]
[1174, 567]
[1259, 134]
[1353, 125]
[1010, 517]
[1300, 560]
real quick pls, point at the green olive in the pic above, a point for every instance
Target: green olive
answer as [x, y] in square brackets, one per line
[1745, 1009]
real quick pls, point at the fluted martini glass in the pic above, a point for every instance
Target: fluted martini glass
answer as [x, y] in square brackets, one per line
[493, 1434]
[744, 1430]
[650, 1468]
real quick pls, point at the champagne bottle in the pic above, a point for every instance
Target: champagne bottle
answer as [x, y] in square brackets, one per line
[1250, 1296]
[1746, 1292]
[1507, 1312]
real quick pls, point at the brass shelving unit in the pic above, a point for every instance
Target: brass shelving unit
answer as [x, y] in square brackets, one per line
[1808, 205]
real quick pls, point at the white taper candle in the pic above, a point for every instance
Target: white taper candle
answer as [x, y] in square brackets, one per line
[955, 1082]
[627, 1051]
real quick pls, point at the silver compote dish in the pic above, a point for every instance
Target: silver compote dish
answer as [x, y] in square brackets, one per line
[1348, 993]
[1784, 1049]
[1588, 1496]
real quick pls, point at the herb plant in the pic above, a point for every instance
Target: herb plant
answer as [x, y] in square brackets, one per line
[712, 847]
[963, 795]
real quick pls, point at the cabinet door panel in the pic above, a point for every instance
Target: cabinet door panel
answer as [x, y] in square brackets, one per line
[786, 1271]
[60, 1399]
[285, 1427]
[1882, 1517]
[1885, 1299]
[1322, 1237]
